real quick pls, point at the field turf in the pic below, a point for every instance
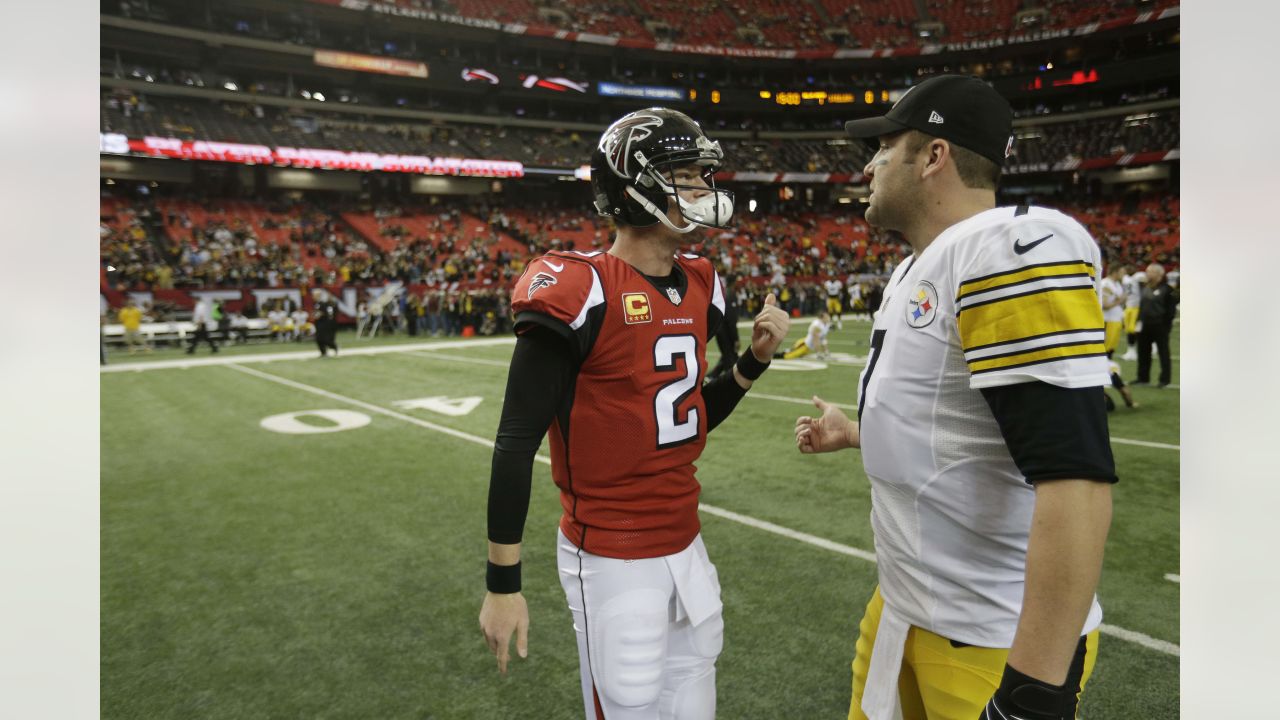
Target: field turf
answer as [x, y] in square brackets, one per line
[248, 573]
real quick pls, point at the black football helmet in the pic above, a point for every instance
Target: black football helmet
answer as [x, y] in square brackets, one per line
[633, 171]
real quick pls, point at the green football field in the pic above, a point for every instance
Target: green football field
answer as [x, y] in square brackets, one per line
[283, 572]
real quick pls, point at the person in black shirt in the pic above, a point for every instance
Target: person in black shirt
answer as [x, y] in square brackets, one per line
[1155, 322]
[326, 320]
[727, 336]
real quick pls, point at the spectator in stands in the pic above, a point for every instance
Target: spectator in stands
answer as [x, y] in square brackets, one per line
[1155, 322]
[202, 316]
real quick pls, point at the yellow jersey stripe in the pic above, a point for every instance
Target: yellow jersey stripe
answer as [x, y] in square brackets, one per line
[1038, 356]
[1033, 337]
[1038, 313]
[1029, 273]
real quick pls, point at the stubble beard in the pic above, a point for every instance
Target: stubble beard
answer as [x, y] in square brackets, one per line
[890, 211]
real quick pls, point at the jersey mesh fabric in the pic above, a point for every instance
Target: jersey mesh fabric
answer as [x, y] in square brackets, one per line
[623, 454]
[951, 511]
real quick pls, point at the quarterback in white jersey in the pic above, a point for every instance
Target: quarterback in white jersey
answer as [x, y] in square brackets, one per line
[980, 410]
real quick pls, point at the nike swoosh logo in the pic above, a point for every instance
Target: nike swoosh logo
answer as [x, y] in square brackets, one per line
[553, 266]
[1019, 248]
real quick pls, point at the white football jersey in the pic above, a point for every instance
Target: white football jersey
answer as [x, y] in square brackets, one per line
[833, 287]
[1133, 291]
[1112, 292]
[1007, 296]
[817, 334]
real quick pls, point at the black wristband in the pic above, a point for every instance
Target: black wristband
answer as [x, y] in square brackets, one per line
[1033, 699]
[750, 367]
[504, 579]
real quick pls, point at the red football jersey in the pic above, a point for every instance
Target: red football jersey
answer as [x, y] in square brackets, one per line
[623, 447]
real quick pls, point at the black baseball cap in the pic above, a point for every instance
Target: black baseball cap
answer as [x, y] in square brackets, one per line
[961, 109]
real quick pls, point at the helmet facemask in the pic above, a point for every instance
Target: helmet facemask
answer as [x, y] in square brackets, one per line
[713, 207]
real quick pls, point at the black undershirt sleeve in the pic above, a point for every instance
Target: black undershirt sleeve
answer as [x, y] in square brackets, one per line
[541, 376]
[1054, 433]
[721, 396]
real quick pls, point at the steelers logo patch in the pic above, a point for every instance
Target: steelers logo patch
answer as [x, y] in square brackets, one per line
[922, 305]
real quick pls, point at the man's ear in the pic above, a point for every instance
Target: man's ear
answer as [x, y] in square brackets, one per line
[937, 157]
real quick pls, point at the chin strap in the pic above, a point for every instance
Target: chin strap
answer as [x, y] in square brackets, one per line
[653, 210]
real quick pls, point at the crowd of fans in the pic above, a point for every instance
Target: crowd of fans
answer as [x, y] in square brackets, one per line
[806, 25]
[158, 244]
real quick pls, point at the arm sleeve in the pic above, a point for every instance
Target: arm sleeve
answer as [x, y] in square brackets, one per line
[721, 396]
[542, 372]
[1054, 433]
[1035, 313]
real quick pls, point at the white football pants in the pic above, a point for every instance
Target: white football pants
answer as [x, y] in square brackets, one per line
[649, 632]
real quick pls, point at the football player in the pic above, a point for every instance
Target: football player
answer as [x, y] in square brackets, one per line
[834, 287]
[814, 341]
[1113, 297]
[610, 356]
[982, 426]
[1133, 285]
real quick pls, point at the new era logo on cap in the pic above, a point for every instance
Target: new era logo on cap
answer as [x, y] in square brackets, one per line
[934, 117]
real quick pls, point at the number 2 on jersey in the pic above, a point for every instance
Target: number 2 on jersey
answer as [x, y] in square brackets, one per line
[671, 431]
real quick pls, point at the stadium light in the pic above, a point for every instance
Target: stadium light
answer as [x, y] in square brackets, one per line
[751, 205]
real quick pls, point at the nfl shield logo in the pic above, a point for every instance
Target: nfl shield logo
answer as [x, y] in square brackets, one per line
[674, 295]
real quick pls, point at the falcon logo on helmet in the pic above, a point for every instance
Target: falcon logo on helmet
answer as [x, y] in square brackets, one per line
[616, 142]
[633, 172]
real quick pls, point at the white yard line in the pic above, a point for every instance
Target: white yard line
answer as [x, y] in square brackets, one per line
[466, 359]
[427, 350]
[1173, 578]
[1129, 635]
[367, 406]
[230, 359]
[1138, 638]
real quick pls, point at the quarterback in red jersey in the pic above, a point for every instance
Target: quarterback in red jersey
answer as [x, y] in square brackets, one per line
[610, 359]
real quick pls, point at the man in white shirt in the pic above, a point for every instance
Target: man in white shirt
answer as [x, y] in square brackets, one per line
[814, 341]
[202, 316]
[982, 426]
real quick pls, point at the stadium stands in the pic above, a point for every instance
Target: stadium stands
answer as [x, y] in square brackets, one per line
[237, 243]
[253, 124]
[800, 25]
